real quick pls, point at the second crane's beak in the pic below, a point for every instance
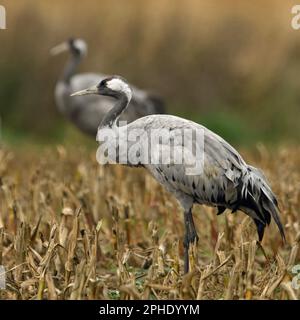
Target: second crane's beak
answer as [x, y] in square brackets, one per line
[59, 49]
[91, 90]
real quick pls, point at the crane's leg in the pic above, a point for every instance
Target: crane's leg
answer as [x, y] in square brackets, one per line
[189, 237]
[186, 244]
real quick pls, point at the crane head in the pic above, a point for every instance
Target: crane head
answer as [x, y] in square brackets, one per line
[77, 47]
[115, 86]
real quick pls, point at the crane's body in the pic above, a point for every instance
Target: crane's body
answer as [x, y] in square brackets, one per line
[225, 181]
[86, 114]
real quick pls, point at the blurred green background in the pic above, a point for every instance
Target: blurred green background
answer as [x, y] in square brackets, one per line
[231, 65]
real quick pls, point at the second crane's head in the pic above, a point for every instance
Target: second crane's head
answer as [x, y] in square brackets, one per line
[77, 47]
[115, 86]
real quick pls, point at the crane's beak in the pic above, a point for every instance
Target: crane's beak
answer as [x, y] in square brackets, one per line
[91, 90]
[59, 49]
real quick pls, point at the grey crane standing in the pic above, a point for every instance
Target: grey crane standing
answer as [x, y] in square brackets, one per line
[86, 114]
[226, 181]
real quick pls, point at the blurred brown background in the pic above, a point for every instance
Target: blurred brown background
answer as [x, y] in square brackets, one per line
[231, 65]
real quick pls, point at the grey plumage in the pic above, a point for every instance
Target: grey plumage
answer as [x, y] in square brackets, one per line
[226, 181]
[87, 113]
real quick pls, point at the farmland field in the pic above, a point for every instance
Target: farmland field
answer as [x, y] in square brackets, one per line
[72, 229]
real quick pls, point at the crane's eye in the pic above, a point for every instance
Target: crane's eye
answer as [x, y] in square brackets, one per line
[71, 42]
[102, 84]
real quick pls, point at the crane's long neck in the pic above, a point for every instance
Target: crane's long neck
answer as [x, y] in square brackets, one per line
[71, 67]
[113, 114]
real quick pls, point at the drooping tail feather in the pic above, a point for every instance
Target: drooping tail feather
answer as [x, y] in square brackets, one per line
[259, 202]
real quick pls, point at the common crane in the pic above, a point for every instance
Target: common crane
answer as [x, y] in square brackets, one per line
[226, 181]
[86, 114]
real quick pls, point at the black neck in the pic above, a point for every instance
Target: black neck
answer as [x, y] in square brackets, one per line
[71, 67]
[113, 114]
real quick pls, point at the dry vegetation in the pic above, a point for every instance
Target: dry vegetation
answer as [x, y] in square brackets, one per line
[71, 229]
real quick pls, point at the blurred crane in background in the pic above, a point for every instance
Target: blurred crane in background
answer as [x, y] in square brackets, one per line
[87, 114]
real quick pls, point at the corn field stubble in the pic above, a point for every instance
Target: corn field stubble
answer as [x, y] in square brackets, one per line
[72, 229]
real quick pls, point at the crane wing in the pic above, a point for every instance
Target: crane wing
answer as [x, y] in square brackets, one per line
[217, 183]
